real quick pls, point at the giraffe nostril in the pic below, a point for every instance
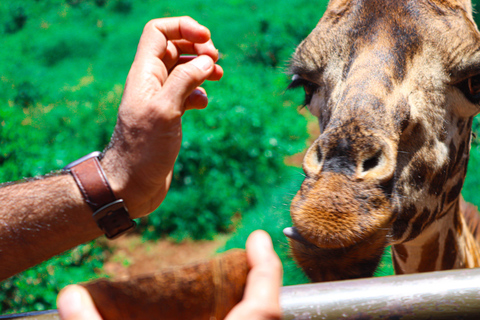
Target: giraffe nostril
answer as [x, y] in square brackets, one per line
[372, 162]
[319, 154]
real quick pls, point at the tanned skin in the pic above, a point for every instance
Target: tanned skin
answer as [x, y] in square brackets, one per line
[44, 217]
[40, 219]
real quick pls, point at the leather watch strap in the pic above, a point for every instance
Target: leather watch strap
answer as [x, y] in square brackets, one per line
[92, 183]
[110, 213]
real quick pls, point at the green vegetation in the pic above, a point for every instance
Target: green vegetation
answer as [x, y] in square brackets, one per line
[63, 64]
[38, 287]
[272, 214]
[62, 79]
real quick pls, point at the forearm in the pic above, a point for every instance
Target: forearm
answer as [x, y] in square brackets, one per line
[45, 217]
[40, 219]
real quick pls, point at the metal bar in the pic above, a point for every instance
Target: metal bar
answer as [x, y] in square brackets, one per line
[35, 315]
[437, 295]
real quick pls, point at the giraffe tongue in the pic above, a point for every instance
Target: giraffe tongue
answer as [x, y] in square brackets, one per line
[292, 233]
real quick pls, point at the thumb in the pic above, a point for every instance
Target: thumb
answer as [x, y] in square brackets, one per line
[185, 78]
[75, 303]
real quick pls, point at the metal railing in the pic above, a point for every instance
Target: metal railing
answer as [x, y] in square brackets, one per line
[437, 295]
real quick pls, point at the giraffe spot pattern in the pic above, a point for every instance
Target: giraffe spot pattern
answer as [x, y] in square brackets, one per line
[419, 224]
[449, 252]
[362, 54]
[430, 253]
[401, 252]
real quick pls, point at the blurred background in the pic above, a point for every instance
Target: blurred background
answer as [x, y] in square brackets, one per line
[63, 64]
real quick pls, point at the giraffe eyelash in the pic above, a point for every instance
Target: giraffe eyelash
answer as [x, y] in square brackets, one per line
[309, 87]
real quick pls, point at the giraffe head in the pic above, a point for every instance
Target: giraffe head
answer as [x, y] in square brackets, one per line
[394, 85]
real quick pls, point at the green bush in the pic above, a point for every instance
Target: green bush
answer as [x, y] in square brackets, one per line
[68, 76]
[471, 187]
[272, 214]
[17, 19]
[61, 80]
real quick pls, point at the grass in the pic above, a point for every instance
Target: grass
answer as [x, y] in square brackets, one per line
[272, 214]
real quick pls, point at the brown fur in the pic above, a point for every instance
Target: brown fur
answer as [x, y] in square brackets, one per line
[389, 164]
[472, 218]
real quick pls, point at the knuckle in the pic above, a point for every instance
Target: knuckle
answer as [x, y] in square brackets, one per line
[186, 73]
[150, 24]
[187, 19]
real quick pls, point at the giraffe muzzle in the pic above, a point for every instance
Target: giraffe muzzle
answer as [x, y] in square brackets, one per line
[369, 156]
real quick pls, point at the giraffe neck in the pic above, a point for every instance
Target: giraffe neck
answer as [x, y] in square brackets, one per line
[448, 243]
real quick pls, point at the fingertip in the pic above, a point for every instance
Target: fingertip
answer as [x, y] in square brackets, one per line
[206, 32]
[193, 30]
[69, 302]
[260, 251]
[75, 303]
[196, 100]
[260, 238]
[204, 63]
[217, 73]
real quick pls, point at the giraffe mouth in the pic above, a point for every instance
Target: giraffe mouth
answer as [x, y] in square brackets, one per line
[359, 260]
[292, 233]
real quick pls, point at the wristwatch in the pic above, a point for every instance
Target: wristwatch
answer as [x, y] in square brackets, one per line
[110, 213]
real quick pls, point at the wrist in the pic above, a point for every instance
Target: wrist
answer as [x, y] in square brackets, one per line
[142, 189]
[117, 174]
[109, 212]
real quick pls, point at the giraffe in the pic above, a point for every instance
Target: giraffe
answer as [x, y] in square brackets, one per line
[395, 85]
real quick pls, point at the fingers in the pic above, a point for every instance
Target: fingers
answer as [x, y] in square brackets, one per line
[184, 79]
[153, 42]
[265, 277]
[216, 75]
[178, 47]
[262, 293]
[75, 303]
[197, 100]
[207, 48]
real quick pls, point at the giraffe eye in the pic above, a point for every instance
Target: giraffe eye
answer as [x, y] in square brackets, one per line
[309, 87]
[474, 86]
[471, 88]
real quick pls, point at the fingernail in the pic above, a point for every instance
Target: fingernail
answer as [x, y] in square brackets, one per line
[70, 304]
[203, 63]
[199, 93]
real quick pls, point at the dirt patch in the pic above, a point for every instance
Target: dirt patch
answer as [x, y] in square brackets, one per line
[133, 256]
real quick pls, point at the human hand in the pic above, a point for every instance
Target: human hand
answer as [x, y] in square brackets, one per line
[260, 301]
[75, 303]
[160, 87]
